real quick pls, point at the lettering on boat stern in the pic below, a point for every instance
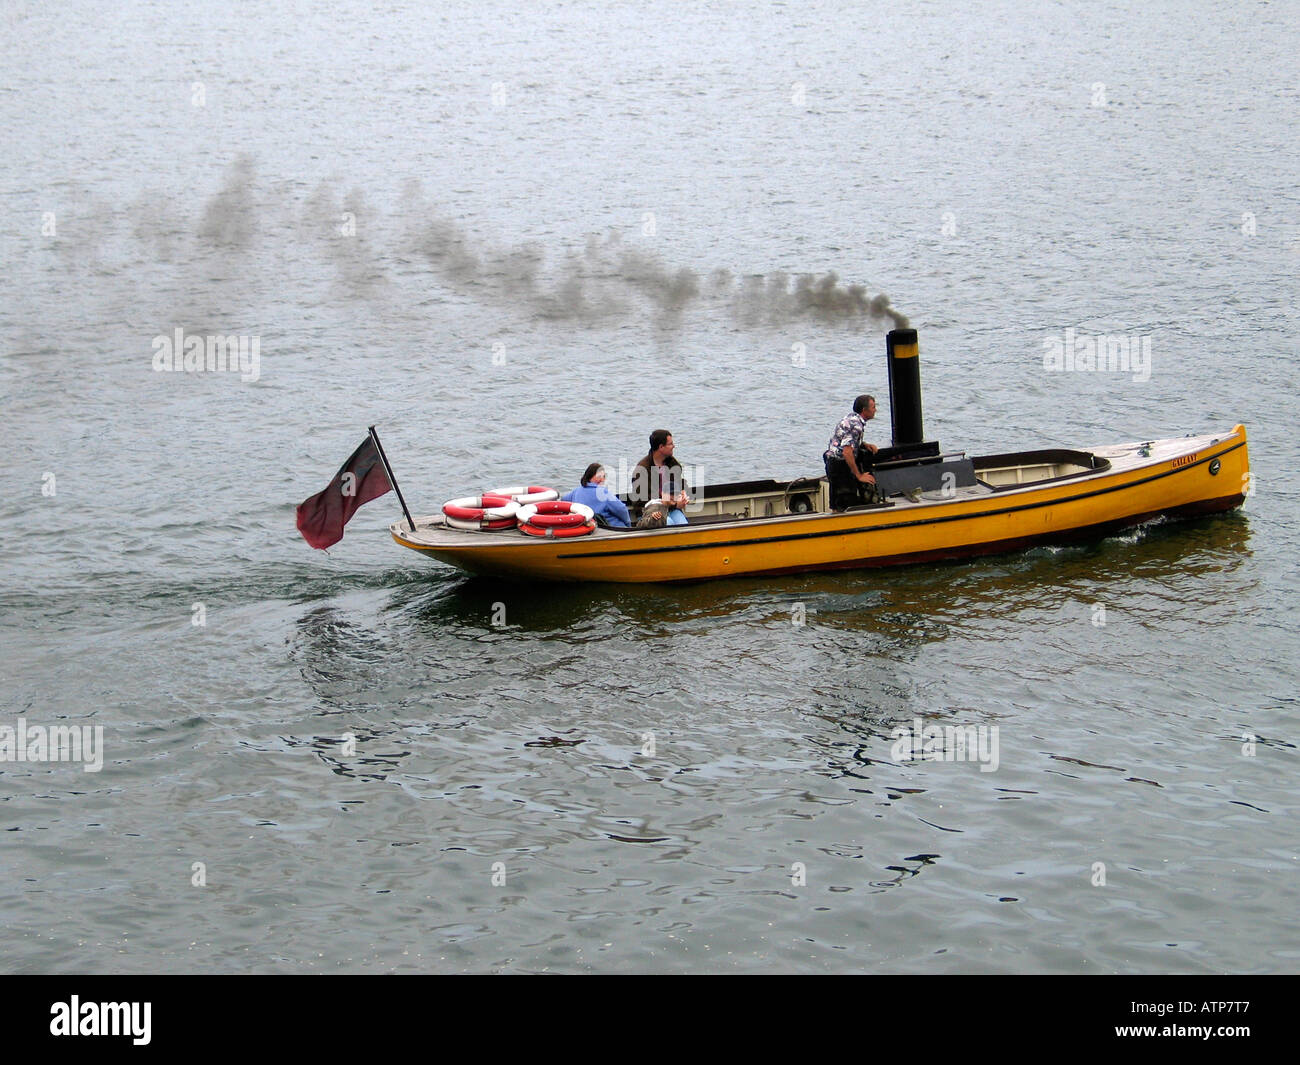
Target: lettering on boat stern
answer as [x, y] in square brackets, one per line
[1184, 460]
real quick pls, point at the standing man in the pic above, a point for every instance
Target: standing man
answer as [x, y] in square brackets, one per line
[841, 457]
[659, 476]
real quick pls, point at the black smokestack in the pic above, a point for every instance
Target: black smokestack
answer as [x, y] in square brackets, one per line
[904, 387]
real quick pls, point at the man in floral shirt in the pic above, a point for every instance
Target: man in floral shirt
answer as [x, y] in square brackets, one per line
[841, 458]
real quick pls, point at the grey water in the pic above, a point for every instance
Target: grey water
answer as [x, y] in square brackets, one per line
[517, 239]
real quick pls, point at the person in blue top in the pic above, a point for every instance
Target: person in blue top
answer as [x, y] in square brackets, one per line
[593, 493]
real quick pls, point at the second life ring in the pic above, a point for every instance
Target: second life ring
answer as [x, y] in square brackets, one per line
[556, 518]
[529, 494]
[488, 511]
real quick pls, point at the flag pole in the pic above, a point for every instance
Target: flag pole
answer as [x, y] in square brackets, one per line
[391, 479]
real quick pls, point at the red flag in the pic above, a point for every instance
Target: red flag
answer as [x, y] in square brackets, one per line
[362, 478]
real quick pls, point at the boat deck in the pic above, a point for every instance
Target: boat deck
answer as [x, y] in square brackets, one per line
[431, 530]
[749, 504]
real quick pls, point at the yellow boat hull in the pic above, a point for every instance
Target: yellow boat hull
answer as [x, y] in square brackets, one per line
[1173, 478]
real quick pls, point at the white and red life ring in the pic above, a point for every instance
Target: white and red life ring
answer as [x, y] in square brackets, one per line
[556, 519]
[556, 514]
[529, 494]
[492, 510]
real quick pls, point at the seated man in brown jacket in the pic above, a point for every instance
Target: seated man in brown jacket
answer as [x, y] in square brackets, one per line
[659, 476]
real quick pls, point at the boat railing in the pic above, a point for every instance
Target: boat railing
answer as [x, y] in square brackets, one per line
[744, 500]
[928, 460]
[1002, 472]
